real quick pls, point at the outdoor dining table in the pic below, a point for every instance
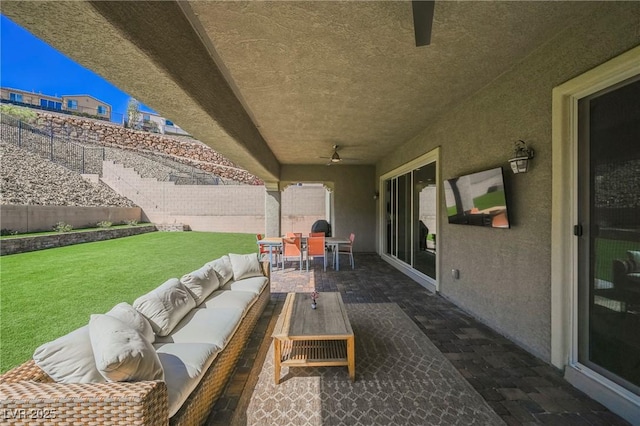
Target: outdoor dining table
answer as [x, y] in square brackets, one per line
[334, 243]
[276, 242]
[271, 243]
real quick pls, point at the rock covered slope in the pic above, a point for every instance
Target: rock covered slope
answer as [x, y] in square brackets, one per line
[180, 148]
[26, 179]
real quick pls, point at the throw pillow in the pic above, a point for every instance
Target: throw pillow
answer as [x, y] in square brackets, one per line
[245, 266]
[201, 283]
[69, 359]
[165, 306]
[121, 353]
[223, 268]
[128, 314]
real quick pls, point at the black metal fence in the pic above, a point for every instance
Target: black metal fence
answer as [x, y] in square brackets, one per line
[115, 117]
[195, 178]
[70, 147]
[50, 146]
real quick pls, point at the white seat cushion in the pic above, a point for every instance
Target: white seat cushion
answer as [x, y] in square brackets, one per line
[255, 285]
[184, 364]
[230, 299]
[213, 326]
[201, 282]
[165, 306]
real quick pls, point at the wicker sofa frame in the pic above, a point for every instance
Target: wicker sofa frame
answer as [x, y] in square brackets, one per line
[28, 396]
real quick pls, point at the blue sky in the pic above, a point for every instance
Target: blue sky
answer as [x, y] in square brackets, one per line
[28, 63]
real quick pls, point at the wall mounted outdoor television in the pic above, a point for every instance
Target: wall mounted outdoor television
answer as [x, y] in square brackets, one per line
[477, 199]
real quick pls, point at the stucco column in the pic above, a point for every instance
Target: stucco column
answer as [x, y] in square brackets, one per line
[272, 209]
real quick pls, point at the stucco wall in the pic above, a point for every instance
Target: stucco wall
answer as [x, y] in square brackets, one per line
[354, 206]
[505, 274]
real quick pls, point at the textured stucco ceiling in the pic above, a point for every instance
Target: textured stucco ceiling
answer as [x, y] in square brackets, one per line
[315, 74]
[271, 83]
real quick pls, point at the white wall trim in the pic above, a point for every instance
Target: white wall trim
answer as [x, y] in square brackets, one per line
[609, 394]
[564, 201]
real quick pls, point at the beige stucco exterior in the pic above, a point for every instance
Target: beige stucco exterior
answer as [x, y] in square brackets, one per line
[87, 104]
[275, 98]
[505, 275]
[82, 104]
[30, 98]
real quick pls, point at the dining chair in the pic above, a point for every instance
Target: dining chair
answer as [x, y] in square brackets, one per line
[316, 234]
[347, 249]
[291, 249]
[303, 242]
[316, 248]
[262, 250]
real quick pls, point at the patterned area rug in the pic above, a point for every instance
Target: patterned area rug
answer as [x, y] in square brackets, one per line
[401, 379]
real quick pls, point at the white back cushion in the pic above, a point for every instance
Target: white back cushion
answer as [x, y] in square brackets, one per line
[245, 266]
[165, 306]
[223, 268]
[69, 359]
[201, 283]
[121, 353]
[128, 314]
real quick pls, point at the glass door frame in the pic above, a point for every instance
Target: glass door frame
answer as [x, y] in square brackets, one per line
[564, 245]
[432, 156]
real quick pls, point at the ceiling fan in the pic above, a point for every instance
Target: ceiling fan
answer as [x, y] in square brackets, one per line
[422, 21]
[335, 157]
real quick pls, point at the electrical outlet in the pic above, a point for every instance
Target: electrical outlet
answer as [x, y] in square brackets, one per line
[455, 273]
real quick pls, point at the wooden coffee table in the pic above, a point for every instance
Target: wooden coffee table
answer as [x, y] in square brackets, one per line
[305, 337]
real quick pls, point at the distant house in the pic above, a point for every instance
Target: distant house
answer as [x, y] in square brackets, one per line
[79, 104]
[87, 104]
[152, 122]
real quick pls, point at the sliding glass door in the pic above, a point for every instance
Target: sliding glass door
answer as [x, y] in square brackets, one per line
[410, 222]
[608, 233]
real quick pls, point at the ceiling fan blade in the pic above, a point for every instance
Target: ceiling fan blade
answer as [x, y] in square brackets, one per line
[422, 21]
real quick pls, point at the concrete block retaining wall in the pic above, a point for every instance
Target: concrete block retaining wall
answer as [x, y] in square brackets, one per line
[36, 218]
[41, 242]
[215, 208]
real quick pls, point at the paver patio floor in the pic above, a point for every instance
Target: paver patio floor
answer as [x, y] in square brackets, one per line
[520, 388]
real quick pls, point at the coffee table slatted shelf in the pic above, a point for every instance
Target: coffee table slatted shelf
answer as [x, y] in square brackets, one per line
[303, 353]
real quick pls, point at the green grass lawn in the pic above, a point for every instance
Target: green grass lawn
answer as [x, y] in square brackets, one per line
[606, 251]
[48, 293]
[490, 199]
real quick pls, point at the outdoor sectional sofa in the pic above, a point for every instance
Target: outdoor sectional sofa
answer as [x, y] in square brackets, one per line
[163, 360]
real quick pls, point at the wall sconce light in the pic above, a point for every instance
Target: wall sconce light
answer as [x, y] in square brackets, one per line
[521, 156]
[376, 195]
